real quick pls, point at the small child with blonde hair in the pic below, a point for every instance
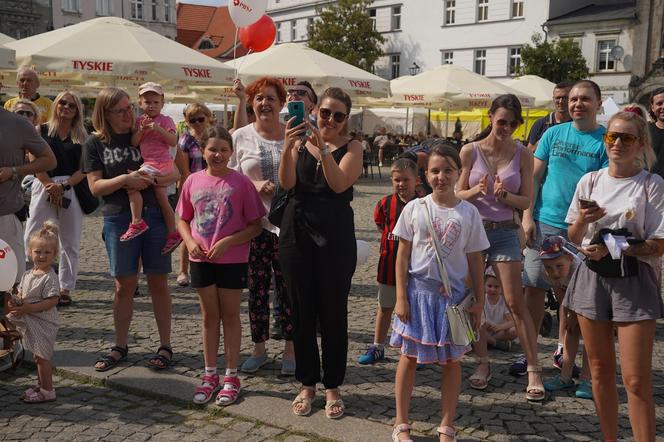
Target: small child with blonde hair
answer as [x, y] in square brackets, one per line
[33, 311]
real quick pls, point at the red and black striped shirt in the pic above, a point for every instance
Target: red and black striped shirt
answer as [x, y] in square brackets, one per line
[386, 214]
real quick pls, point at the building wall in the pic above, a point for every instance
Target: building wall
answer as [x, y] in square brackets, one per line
[422, 36]
[614, 82]
[69, 12]
[23, 18]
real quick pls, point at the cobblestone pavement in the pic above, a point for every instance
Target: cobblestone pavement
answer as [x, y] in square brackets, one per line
[101, 411]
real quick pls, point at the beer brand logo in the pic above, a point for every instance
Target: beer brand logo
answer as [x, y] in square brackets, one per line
[100, 66]
[360, 84]
[197, 72]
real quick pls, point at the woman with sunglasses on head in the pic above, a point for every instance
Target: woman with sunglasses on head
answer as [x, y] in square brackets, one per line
[623, 293]
[317, 245]
[197, 118]
[52, 193]
[257, 155]
[111, 163]
[27, 109]
[497, 177]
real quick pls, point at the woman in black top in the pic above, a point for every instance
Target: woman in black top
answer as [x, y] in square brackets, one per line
[317, 245]
[111, 164]
[52, 193]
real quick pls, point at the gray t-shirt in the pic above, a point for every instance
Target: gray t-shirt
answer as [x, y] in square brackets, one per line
[17, 136]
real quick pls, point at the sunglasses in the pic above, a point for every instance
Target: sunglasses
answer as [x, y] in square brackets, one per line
[626, 139]
[25, 113]
[126, 110]
[298, 92]
[67, 104]
[512, 124]
[325, 114]
[195, 120]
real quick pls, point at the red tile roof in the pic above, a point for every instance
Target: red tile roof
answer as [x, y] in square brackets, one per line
[196, 23]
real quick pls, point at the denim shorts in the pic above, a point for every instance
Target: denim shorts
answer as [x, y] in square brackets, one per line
[124, 257]
[503, 245]
[533, 269]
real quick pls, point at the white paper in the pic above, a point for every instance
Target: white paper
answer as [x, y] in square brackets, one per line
[615, 244]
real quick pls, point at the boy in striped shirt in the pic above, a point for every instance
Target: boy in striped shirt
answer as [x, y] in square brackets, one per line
[404, 178]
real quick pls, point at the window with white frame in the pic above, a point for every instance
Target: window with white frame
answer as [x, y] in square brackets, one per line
[480, 61]
[396, 18]
[604, 60]
[517, 8]
[310, 23]
[279, 36]
[137, 9]
[448, 57]
[71, 5]
[395, 65]
[515, 61]
[154, 16]
[293, 30]
[104, 7]
[482, 10]
[167, 11]
[450, 12]
[372, 16]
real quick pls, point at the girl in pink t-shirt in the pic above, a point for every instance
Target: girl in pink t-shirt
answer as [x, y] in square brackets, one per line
[220, 212]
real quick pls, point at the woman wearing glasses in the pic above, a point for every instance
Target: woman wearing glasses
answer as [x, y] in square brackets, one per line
[256, 154]
[197, 118]
[52, 193]
[111, 164]
[623, 293]
[497, 177]
[317, 245]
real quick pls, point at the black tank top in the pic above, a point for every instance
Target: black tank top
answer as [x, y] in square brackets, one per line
[311, 181]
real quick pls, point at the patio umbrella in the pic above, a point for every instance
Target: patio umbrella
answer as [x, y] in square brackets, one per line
[452, 86]
[540, 88]
[113, 51]
[7, 58]
[293, 63]
[5, 39]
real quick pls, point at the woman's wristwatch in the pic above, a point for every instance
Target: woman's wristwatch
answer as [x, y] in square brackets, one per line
[325, 150]
[503, 194]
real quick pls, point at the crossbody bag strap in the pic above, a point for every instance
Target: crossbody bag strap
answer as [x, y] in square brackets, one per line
[436, 246]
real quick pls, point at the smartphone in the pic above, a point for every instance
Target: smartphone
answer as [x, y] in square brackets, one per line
[587, 203]
[66, 202]
[571, 248]
[296, 109]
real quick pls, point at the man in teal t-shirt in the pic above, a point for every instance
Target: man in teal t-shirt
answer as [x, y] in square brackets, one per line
[564, 154]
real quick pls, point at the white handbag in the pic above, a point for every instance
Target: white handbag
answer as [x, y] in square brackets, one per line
[461, 329]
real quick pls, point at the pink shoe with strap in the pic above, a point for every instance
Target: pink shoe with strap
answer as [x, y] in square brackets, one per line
[230, 392]
[204, 392]
[134, 230]
[445, 430]
[173, 240]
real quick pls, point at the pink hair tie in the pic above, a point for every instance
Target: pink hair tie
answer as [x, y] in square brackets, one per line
[634, 110]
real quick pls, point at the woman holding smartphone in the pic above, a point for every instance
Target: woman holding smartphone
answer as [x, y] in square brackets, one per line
[624, 294]
[53, 195]
[318, 247]
[256, 154]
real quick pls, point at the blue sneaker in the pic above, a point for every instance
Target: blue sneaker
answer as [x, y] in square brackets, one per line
[558, 383]
[372, 355]
[584, 390]
[253, 363]
[519, 367]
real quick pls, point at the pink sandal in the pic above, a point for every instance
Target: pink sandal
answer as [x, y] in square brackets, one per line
[207, 388]
[30, 391]
[230, 392]
[398, 429]
[39, 396]
[173, 240]
[134, 230]
[446, 431]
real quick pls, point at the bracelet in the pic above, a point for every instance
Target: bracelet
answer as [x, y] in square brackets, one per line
[504, 194]
[325, 150]
[14, 172]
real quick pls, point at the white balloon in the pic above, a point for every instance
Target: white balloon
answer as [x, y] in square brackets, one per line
[8, 267]
[363, 250]
[246, 12]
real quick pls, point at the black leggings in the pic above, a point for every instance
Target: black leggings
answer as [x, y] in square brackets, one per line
[318, 279]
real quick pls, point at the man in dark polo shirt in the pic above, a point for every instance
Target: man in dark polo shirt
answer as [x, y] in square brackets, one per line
[560, 115]
[657, 128]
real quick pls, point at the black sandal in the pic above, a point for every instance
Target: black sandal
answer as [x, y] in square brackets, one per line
[164, 362]
[109, 361]
[64, 300]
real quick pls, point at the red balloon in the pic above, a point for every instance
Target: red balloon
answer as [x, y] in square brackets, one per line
[260, 35]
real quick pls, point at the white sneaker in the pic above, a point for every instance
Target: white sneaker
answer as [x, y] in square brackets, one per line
[380, 164]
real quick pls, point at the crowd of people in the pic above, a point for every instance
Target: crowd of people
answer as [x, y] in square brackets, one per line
[266, 206]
